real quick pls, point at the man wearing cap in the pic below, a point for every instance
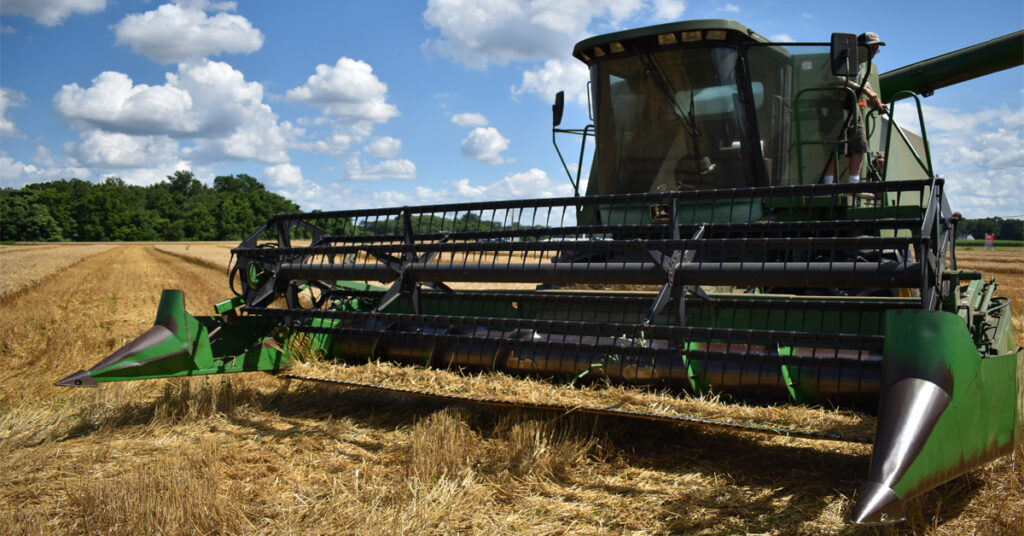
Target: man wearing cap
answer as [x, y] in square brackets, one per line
[856, 138]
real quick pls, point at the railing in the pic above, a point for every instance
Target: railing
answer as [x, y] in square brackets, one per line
[926, 163]
[785, 237]
[797, 121]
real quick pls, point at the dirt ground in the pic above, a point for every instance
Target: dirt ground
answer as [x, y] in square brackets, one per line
[254, 454]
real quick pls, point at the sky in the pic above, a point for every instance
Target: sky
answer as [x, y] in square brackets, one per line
[339, 104]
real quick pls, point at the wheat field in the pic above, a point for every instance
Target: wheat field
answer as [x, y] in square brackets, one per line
[255, 454]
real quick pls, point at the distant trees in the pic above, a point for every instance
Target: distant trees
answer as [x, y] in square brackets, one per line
[180, 208]
[1003, 229]
[26, 219]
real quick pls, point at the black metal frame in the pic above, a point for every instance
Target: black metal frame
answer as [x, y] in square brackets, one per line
[818, 240]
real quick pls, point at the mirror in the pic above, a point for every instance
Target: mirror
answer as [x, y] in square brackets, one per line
[843, 54]
[556, 110]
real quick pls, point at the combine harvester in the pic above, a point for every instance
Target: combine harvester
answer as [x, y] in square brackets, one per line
[704, 257]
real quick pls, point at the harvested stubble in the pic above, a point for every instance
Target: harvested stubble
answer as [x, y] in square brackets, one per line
[24, 266]
[26, 246]
[213, 255]
[253, 454]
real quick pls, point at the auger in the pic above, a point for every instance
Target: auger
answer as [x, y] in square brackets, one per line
[705, 256]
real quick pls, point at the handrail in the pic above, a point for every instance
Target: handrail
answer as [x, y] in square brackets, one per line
[925, 165]
[585, 131]
[799, 138]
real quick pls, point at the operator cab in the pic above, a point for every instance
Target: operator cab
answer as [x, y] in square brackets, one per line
[706, 104]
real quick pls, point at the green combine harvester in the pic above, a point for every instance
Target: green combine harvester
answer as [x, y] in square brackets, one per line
[705, 256]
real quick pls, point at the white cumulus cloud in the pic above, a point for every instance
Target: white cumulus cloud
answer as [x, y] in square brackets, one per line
[15, 174]
[485, 144]
[9, 99]
[477, 32]
[387, 169]
[209, 102]
[470, 119]
[384, 147]
[348, 92]
[114, 102]
[672, 9]
[175, 33]
[353, 101]
[981, 155]
[528, 184]
[284, 175]
[50, 12]
[570, 76]
[43, 157]
[234, 122]
[335, 145]
[113, 150]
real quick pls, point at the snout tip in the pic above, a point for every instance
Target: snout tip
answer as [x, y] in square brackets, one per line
[78, 379]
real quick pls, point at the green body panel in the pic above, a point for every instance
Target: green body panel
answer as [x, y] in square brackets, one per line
[983, 418]
[696, 373]
[229, 305]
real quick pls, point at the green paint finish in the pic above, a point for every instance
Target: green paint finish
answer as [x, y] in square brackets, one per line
[965, 64]
[788, 376]
[228, 305]
[257, 276]
[178, 344]
[983, 418]
[798, 391]
[696, 373]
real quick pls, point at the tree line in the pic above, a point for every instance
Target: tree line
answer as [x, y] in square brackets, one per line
[179, 208]
[183, 208]
[1004, 229]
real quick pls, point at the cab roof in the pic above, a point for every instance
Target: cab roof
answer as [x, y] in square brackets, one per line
[671, 33]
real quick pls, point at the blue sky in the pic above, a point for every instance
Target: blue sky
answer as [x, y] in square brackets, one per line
[362, 104]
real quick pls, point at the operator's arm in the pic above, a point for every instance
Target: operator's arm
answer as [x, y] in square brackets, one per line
[874, 99]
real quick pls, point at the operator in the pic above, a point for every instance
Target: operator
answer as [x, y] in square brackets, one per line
[856, 143]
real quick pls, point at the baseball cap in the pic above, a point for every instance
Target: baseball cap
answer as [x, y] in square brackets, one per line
[869, 38]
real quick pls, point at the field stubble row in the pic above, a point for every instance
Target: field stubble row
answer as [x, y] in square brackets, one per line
[24, 266]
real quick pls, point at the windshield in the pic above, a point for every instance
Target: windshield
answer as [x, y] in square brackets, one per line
[688, 118]
[671, 120]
